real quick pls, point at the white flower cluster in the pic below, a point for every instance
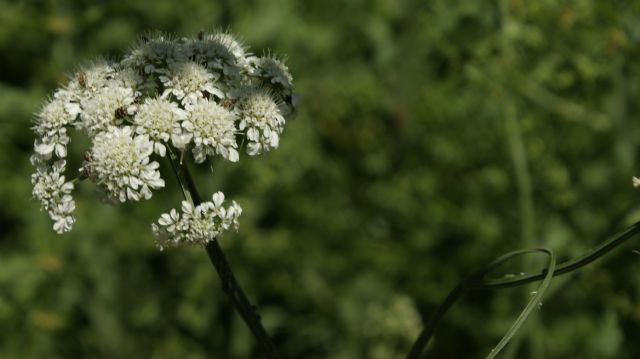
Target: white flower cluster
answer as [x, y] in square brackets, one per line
[160, 119]
[121, 166]
[54, 192]
[49, 183]
[207, 96]
[213, 130]
[189, 82]
[261, 119]
[196, 225]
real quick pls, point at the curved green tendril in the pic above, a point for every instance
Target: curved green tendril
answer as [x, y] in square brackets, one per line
[534, 302]
[477, 281]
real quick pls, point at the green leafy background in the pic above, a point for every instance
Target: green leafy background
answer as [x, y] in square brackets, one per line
[432, 136]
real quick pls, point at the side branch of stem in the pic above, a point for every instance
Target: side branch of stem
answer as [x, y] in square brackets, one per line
[230, 285]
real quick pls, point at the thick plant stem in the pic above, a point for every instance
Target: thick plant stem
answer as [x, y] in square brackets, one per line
[230, 285]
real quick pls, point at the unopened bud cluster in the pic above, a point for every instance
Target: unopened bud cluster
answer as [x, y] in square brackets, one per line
[205, 96]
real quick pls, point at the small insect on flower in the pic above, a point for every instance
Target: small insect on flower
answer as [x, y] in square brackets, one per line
[82, 79]
[121, 112]
[227, 103]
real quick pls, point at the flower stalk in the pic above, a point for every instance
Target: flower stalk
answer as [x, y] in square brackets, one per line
[230, 285]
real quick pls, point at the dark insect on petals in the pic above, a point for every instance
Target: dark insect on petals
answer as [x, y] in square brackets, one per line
[121, 112]
[82, 79]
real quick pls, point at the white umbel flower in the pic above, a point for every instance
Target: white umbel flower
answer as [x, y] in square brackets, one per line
[91, 78]
[196, 225]
[261, 119]
[160, 119]
[119, 163]
[183, 96]
[189, 82]
[106, 108]
[155, 54]
[51, 124]
[130, 78]
[54, 142]
[213, 130]
[274, 70]
[54, 194]
[221, 52]
[55, 114]
[233, 46]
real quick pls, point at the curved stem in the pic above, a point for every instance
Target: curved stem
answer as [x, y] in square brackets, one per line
[562, 268]
[535, 301]
[228, 280]
[477, 281]
[431, 325]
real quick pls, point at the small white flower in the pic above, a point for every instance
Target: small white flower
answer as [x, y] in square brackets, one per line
[261, 119]
[189, 82]
[53, 192]
[196, 225]
[235, 47]
[155, 54]
[120, 165]
[213, 130]
[102, 109]
[160, 119]
[128, 77]
[55, 114]
[89, 79]
[62, 223]
[53, 143]
[274, 70]
[221, 52]
[50, 125]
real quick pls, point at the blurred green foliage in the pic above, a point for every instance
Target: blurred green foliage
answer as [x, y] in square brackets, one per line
[432, 136]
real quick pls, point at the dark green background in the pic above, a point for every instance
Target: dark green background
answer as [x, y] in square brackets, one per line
[432, 136]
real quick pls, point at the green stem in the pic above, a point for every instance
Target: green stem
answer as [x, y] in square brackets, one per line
[519, 158]
[230, 285]
[476, 281]
[177, 170]
[562, 268]
[430, 327]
